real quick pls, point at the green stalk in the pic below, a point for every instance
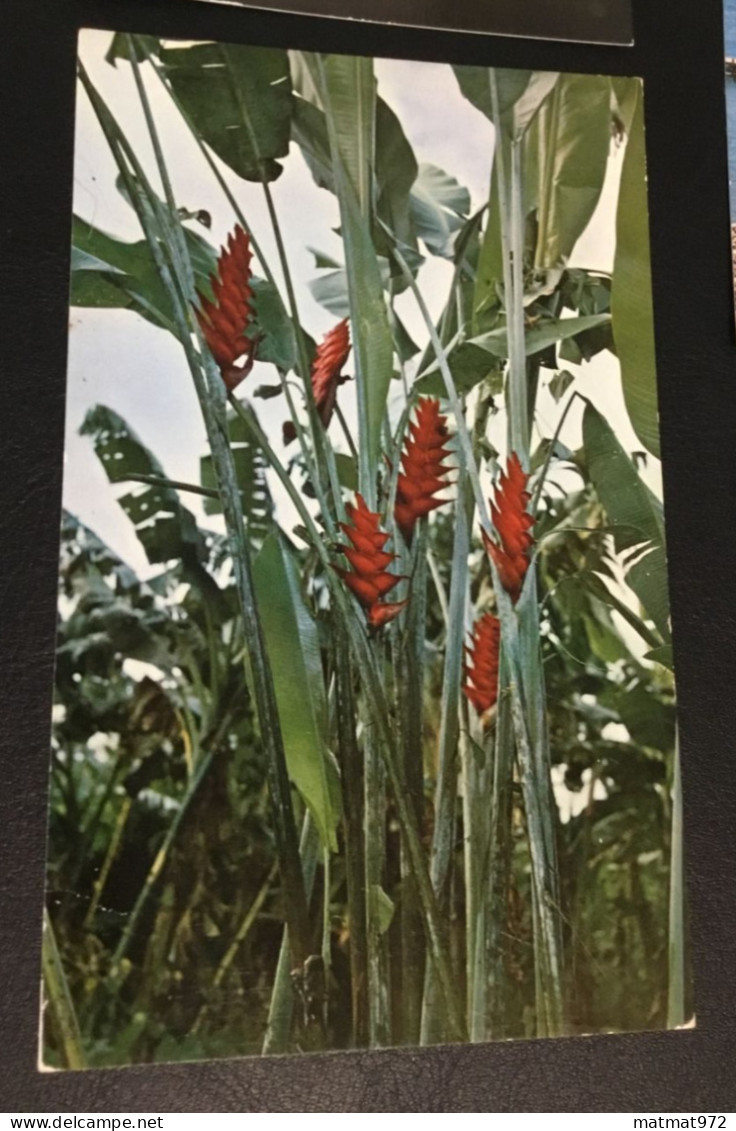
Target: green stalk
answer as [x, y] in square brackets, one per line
[351, 767]
[175, 484]
[211, 393]
[156, 871]
[374, 810]
[473, 848]
[443, 836]
[676, 949]
[110, 855]
[520, 630]
[519, 430]
[326, 915]
[59, 999]
[499, 855]
[281, 1008]
[410, 670]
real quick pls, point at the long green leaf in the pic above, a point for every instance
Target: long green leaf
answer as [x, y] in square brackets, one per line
[634, 510]
[293, 647]
[351, 104]
[344, 102]
[239, 98]
[631, 294]
[573, 136]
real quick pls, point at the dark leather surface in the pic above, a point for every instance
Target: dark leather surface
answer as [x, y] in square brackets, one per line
[679, 50]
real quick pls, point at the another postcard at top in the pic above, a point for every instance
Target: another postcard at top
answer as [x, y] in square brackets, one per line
[583, 21]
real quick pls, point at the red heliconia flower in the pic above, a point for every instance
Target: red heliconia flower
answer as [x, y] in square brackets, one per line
[423, 471]
[225, 321]
[332, 353]
[481, 668]
[368, 577]
[512, 522]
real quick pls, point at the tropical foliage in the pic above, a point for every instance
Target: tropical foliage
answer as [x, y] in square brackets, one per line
[403, 772]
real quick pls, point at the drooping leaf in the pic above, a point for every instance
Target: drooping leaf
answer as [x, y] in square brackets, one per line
[250, 471]
[472, 360]
[145, 45]
[309, 131]
[278, 343]
[292, 641]
[165, 527]
[635, 513]
[396, 172]
[573, 138]
[631, 297]
[560, 383]
[597, 586]
[439, 207]
[240, 100]
[475, 84]
[108, 272]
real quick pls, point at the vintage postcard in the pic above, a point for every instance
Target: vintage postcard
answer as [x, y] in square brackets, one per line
[364, 722]
[586, 21]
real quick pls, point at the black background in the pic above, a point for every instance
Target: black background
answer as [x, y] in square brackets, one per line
[679, 51]
[593, 21]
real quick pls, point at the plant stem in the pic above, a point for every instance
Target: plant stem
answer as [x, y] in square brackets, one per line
[410, 670]
[445, 800]
[60, 999]
[281, 1008]
[110, 855]
[175, 484]
[499, 856]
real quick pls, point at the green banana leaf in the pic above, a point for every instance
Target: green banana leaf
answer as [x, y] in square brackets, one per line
[292, 642]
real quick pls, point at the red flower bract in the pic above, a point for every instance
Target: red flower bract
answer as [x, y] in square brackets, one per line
[225, 321]
[368, 577]
[481, 672]
[332, 353]
[423, 471]
[512, 522]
